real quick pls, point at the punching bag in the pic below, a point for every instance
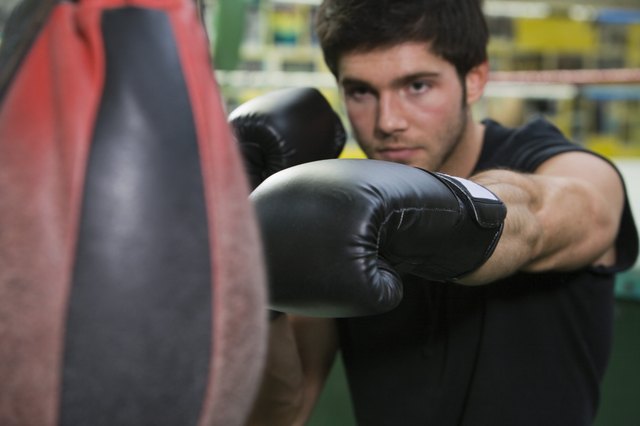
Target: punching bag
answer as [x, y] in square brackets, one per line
[132, 287]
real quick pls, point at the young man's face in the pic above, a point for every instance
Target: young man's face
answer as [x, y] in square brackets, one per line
[405, 104]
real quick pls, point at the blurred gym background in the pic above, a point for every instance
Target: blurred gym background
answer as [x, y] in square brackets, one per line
[575, 61]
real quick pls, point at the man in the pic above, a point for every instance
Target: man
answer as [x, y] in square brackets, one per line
[525, 338]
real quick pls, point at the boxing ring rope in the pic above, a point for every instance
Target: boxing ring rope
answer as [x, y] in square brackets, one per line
[578, 77]
[554, 84]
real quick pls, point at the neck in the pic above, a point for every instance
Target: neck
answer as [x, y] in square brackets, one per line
[464, 158]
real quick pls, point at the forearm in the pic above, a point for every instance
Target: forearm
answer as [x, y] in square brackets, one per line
[317, 343]
[300, 355]
[552, 223]
[279, 398]
[520, 237]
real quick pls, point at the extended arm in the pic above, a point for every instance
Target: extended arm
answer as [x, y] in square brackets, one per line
[565, 216]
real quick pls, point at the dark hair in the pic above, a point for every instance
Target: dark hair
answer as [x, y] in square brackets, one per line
[456, 29]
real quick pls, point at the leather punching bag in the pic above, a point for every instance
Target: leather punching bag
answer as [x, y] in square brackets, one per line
[132, 287]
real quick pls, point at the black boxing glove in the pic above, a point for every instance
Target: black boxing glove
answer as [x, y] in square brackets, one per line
[285, 128]
[339, 234]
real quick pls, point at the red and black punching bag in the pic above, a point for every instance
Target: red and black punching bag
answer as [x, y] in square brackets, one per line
[131, 280]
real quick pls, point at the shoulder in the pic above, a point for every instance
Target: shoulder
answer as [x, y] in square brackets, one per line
[537, 127]
[523, 148]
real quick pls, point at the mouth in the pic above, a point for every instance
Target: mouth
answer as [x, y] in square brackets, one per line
[397, 154]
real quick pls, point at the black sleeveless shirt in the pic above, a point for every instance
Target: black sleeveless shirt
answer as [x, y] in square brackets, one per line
[527, 350]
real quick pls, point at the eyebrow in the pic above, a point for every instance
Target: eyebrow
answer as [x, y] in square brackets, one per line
[400, 81]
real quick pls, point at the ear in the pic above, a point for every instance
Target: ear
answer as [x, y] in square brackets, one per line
[476, 79]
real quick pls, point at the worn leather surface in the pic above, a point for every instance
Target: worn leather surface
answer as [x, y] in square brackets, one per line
[131, 278]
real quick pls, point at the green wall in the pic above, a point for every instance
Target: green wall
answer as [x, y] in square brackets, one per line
[229, 26]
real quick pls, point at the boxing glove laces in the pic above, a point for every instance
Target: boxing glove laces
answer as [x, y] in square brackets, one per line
[339, 234]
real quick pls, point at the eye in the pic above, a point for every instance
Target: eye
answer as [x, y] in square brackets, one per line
[419, 86]
[357, 93]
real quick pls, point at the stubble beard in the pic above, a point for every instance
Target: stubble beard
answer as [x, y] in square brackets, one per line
[451, 138]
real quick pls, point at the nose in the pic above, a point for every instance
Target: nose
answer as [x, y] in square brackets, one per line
[390, 115]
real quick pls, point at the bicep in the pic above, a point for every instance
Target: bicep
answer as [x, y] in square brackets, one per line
[580, 212]
[598, 173]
